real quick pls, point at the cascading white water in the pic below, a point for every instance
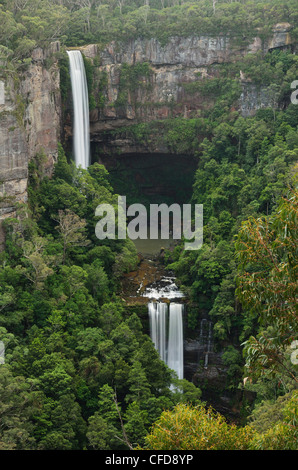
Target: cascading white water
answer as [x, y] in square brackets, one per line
[81, 136]
[164, 288]
[168, 344]
[175, 345]
[158, 319]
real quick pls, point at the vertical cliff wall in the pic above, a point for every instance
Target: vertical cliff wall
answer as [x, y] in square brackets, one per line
[144, 81]
[139, 81]
[30, 122]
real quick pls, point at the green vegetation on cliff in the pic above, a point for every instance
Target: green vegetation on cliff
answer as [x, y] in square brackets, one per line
[25, 25]
[246, 166]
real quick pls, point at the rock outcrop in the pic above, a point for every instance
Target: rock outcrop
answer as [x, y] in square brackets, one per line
[162, 93]
[30, 111]
[30, 101]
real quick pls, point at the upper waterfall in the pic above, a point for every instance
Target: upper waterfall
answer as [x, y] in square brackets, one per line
[81, 138]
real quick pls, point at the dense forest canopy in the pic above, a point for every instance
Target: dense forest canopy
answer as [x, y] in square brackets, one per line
[25, 24]
[79, 372]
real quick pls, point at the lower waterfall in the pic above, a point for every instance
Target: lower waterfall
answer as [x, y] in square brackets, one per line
[158, 320]
[175, 343]
[166, 330]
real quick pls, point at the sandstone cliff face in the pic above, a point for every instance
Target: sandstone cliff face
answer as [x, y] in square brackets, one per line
[30, 108]
[30, 112]
[162, 94]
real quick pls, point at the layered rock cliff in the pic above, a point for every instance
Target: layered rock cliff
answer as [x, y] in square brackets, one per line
[30, 123]
[139, 81]
[143, 81]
